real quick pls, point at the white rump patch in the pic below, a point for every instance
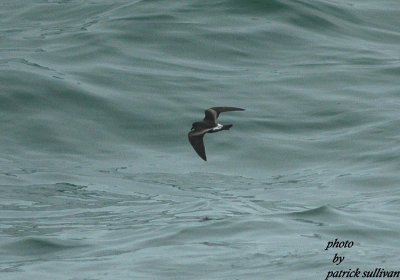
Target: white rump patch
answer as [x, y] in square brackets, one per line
[218, 127]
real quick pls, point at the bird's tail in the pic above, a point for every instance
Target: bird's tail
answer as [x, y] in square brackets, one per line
[227, 126]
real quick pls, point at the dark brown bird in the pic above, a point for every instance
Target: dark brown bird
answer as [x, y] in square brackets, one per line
[208, 125]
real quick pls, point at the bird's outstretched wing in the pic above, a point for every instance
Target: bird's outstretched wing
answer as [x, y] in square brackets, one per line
[212, 114]
[196, 140]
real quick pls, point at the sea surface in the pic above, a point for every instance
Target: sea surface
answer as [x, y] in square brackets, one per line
[98, 179]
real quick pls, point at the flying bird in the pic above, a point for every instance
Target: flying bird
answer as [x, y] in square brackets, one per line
[208, 125]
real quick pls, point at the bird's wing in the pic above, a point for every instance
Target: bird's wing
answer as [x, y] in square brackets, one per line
[196, 139]
[211, 116]
[219, 110]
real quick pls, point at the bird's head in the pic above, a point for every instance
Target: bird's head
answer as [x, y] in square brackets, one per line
[195, 125]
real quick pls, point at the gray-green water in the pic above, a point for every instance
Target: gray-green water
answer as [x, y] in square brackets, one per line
[98, 180]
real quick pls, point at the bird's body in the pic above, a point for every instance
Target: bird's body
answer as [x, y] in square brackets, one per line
[208, 125]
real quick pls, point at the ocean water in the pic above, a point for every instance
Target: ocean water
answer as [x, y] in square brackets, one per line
[99, 181]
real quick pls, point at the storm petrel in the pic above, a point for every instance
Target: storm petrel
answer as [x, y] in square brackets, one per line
[208, 125]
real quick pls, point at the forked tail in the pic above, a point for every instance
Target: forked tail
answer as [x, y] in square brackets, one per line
[227, 126]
